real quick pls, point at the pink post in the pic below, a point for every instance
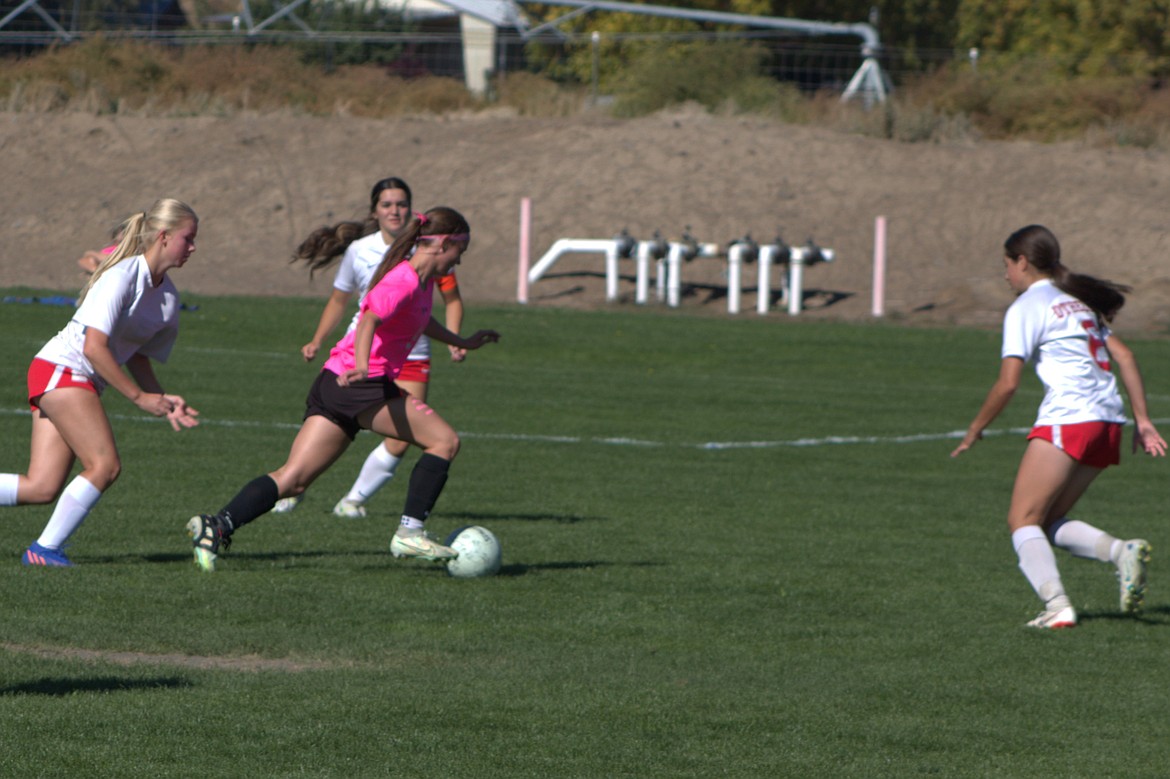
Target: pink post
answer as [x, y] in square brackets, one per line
[525, 227]
[879, 267]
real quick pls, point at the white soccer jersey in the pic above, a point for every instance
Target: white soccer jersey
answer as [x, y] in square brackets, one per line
[361, 260]
[1062, 336]
[123, 303]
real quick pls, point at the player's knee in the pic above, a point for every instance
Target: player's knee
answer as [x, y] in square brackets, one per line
[447, 446]
[104, 472]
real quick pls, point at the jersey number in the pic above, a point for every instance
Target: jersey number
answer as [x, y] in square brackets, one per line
[1096, 346]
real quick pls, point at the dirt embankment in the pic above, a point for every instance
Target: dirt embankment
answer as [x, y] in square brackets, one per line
[260, 183]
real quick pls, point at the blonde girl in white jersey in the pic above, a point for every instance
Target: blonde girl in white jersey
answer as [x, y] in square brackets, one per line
[127, 315]
[390, 210]
[1060, 322]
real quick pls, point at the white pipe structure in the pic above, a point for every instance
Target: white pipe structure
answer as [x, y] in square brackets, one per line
[670, 257]
[769, 254]
[612, 249]
[791, 284]
[623, 246]
[801, 256]
[740, 252]
[646, 251]
[675, 256]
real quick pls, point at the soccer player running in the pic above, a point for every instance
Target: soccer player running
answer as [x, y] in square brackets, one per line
[390, 209]
[355, 390]
[127, 315]
[1060, 322]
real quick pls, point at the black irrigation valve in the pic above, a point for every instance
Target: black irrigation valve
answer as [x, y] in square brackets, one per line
[659, 247]
[814, 253]
[690, 245]
[625, 244]
[750, 250]
[783, 250]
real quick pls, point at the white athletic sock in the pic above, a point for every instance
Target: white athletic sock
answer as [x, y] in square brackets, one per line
[409, 526]
[8, 485]
[378, 469]
[1038, 564]
[1082, 539]
[72, 507]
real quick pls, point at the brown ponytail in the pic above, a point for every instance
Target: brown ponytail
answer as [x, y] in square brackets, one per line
[1039, 245]
[325, 244]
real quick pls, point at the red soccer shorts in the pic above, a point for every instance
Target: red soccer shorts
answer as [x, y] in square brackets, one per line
[44, 376]
[1096, 444]
[417, 371]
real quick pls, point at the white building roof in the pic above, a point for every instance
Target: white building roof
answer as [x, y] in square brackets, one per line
[498, 13]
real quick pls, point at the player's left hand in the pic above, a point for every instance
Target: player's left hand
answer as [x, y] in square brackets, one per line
[967, 442]
[481, 337]
[352, 376]
[1147, 438]
[181, 415]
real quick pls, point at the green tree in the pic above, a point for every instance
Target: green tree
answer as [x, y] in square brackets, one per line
[1085, 38]
[911, 26]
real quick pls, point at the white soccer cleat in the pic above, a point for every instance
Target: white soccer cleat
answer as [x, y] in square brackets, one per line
[1131, 574]
[286, 505]
[422, 547]
[1055, 619]
[349, 509]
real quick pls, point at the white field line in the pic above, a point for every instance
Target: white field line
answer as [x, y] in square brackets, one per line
[242, 352]
[913, 438]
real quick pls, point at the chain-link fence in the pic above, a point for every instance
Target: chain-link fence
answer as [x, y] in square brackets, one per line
[436, 44]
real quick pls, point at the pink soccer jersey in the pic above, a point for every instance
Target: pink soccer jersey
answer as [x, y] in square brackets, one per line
[403, 304]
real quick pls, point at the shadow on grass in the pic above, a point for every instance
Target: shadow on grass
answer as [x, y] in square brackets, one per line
[1155, 616]
[68, 686]
[481, 516]
[811, 299]
[381, 560]
[112, 559]
[522, 569]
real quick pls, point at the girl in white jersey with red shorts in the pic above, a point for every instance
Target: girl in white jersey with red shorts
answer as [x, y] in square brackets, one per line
[127, 315]
[1059, 322]
[390, 209]
[355, 390]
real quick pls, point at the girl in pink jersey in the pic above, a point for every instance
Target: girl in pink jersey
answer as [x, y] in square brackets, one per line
[355, 390]
[362, 246]
[1060, 322]
[127, 315]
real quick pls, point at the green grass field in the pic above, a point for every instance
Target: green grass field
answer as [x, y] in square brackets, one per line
[732, 547]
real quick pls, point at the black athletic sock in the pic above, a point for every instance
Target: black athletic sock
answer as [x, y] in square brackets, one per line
[426, 483]
[255, 498]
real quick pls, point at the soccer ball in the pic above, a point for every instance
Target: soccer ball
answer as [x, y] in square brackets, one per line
[479, 553]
